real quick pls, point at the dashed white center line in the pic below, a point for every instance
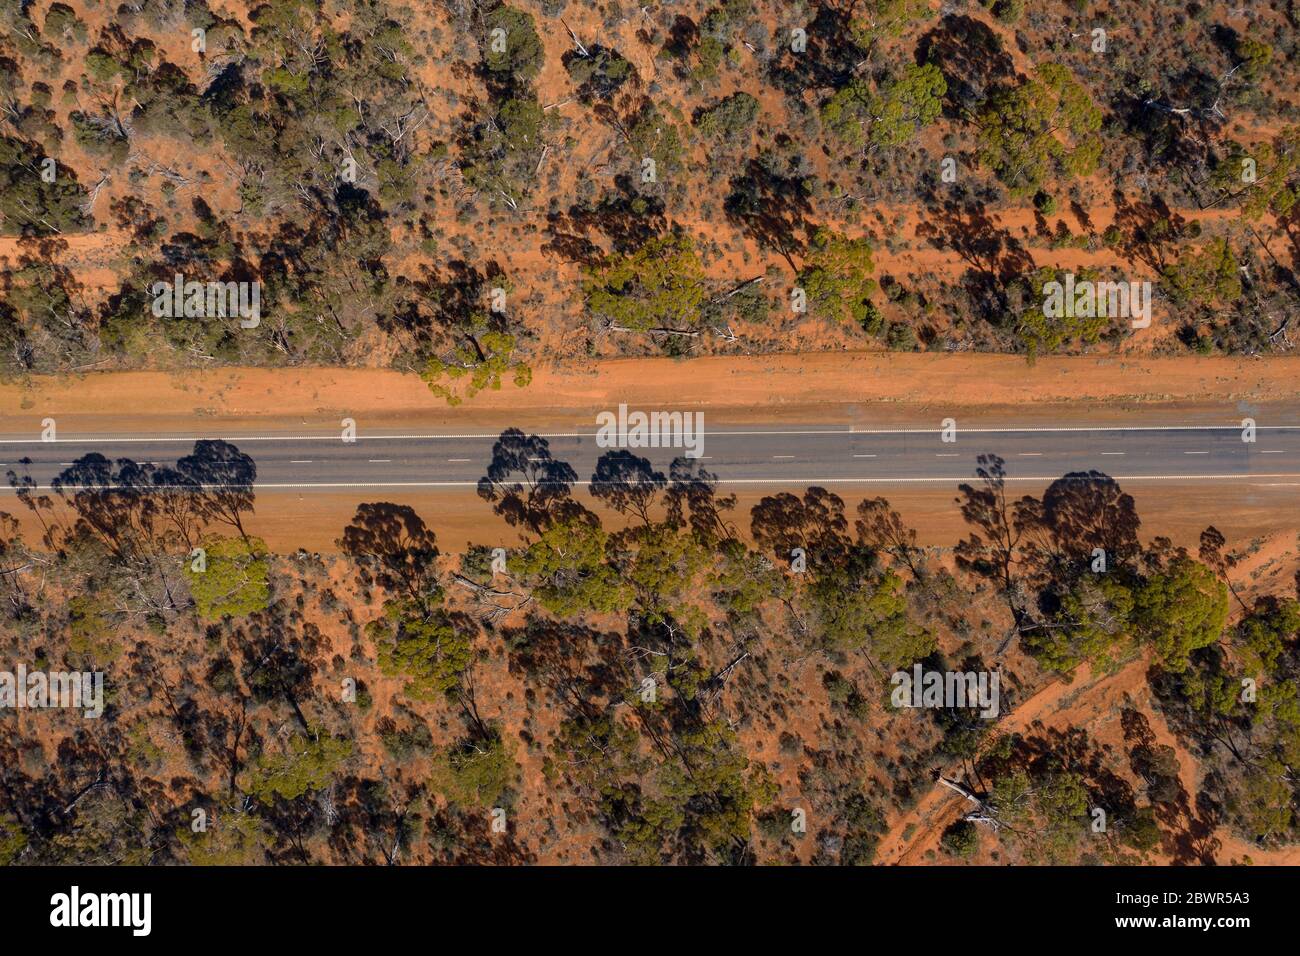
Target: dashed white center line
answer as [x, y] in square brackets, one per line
[1196, 453]
[1112, 452]
[1031, 454]
[951, 454]
[379, 461]
[300, 461]
[463, 460]
[1271, 451]
[864, 456]
[783, 456]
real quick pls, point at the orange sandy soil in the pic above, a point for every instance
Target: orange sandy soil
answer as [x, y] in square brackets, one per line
[289, 520]
[862, 388]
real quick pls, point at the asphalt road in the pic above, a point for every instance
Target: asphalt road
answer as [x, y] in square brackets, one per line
[792, 456]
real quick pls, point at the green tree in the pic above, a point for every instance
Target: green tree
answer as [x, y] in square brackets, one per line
[1266, 176]
[478, 363]
[1039, 333]
[476, 772]
[877, 20]
[13, 840]
[516, 50]
[1008, 11]
[730, 119]
[907, 103]
[853, 611]
[660, 284]
[1046, 810]
[891, 116]
[426, 646]
[1092, 622]
[1264, 803]
[28, 204]
[567, 568]
[231, 839]
[961, 839]
[653, 136]
[1264, 635]
[848, 113]
[835, 277]
[1207, 276]
[743, 579]
[600, 74]
[306, 764]
[1255, 57]
[1028, 130]
[92, 627]
[703, 803]
[660, 564]
[1180, 609]
[501, 154]
[235, 581]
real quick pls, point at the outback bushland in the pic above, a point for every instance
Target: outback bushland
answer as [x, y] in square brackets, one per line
[468, 190]
[679, 683]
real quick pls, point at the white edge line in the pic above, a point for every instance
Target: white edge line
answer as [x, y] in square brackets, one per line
[496, 435]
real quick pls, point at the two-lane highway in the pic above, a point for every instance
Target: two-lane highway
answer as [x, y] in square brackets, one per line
[794, 456]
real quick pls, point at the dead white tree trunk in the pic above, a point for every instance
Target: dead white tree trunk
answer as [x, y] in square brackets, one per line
[982, 813]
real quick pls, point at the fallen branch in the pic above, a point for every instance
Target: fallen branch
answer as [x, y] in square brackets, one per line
[581, 49]
[661, 330]
[740, 288]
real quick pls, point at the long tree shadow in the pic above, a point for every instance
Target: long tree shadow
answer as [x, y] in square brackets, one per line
[1187, 831]
[1078, 514]
[627, 483]
[771, 207]
[393, 548]
[829, 59]
[1148, 231]
[972, 59]
[815, 522]
[692, 499]
[226, 475]
[1072, 749]
[443, 303]
[584, 667]
[129, 506]
[628, 218]
[968, 230]
[526, 485]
